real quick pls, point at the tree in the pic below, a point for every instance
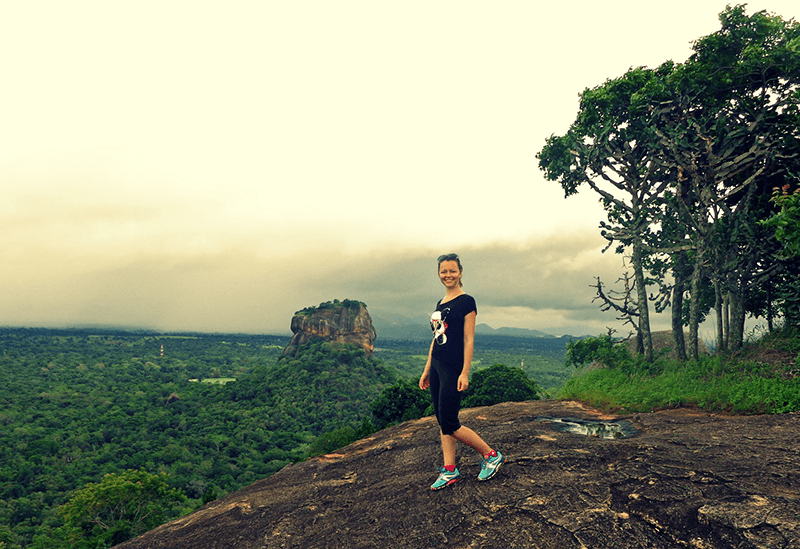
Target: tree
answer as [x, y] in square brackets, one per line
[499, 383]
[120, 506]
[339, 438]
[608, 148]
[399, 402]
[602, 349]
[786, 224]
[681, 156]
[729, 129]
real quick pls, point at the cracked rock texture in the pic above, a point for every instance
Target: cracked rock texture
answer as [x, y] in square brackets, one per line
[684, 479]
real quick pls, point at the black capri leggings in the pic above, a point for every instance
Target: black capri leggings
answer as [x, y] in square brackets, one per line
[443, 380]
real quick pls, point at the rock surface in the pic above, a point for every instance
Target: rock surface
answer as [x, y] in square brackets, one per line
[684, 479]
[340, 322]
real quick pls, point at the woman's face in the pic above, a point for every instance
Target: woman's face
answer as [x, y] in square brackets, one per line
[449, 274]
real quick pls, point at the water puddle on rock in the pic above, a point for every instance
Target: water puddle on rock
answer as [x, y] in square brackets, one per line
[593, 428]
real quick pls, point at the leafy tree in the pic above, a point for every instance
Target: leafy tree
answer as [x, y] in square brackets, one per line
[608, 149]
[332, 440]
[399, 402]
[730, 128]
[120, 507]
[7, 537]
[339, 438]
[608, 353]
[500, 383]
[602, 349]
[681, 156]
[786, 224]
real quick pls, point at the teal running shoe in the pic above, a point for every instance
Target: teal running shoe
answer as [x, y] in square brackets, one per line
[446, 478]
[490, 466]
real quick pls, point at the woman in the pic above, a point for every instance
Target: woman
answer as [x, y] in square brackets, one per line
[447, 373]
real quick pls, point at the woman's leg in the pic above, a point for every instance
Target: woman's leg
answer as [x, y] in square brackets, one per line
[448, 450]
[447, 402]
[470, 438]
[446, 398]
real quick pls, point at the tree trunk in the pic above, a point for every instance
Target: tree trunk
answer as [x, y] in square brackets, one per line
[641, 291]
[736, 337]
[694, 306]
[770, 323]
[726, 318]
[679, 274]
[718, 306]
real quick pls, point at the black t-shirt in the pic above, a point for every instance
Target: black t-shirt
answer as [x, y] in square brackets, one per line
[447, 323]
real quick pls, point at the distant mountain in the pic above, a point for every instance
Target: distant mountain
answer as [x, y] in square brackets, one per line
[402, 328]
[485, 329]
[92, 327]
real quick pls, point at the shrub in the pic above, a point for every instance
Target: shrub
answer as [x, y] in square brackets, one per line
[120, 507]
[339, 438]
[400, 402]
[601, 349]
[500, 383]
[605, 351]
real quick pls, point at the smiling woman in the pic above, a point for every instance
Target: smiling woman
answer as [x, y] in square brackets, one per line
[446, 373]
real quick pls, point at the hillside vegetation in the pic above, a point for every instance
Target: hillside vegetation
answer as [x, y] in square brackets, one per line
[88, 416]
[215, 413]
[77, 406]
[763, 377]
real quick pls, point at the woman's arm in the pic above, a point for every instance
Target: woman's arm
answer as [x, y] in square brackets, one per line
[424, 382]
[469, 348]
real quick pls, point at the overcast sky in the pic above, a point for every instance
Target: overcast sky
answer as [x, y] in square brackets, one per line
[217, 166]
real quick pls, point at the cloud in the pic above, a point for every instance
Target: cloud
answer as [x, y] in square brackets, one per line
[541, 285]
[191, 167]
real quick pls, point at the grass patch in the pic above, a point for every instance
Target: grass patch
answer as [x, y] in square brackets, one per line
[762, 378]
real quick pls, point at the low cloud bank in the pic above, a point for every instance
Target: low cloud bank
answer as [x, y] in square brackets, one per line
[542, 285]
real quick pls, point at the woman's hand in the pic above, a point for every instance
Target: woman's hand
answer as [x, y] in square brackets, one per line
[463, 383]
[424, 382]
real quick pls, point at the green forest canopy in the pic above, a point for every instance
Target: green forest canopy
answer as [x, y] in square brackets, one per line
[78, 405]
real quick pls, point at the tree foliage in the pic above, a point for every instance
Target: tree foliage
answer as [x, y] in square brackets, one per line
[78, 405]
[400, 402]
[119, 507]
[82, 404]
[340, 437]
[602, 349]
[786, 224]
[500, 383]
[684, 158]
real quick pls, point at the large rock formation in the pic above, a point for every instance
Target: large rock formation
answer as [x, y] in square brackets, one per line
[339, 321]
[684, 479]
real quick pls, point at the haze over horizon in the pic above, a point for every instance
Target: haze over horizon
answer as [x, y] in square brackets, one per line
[216, 167]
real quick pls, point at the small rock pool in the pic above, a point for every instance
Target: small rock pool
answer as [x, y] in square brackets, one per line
[591, 427]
